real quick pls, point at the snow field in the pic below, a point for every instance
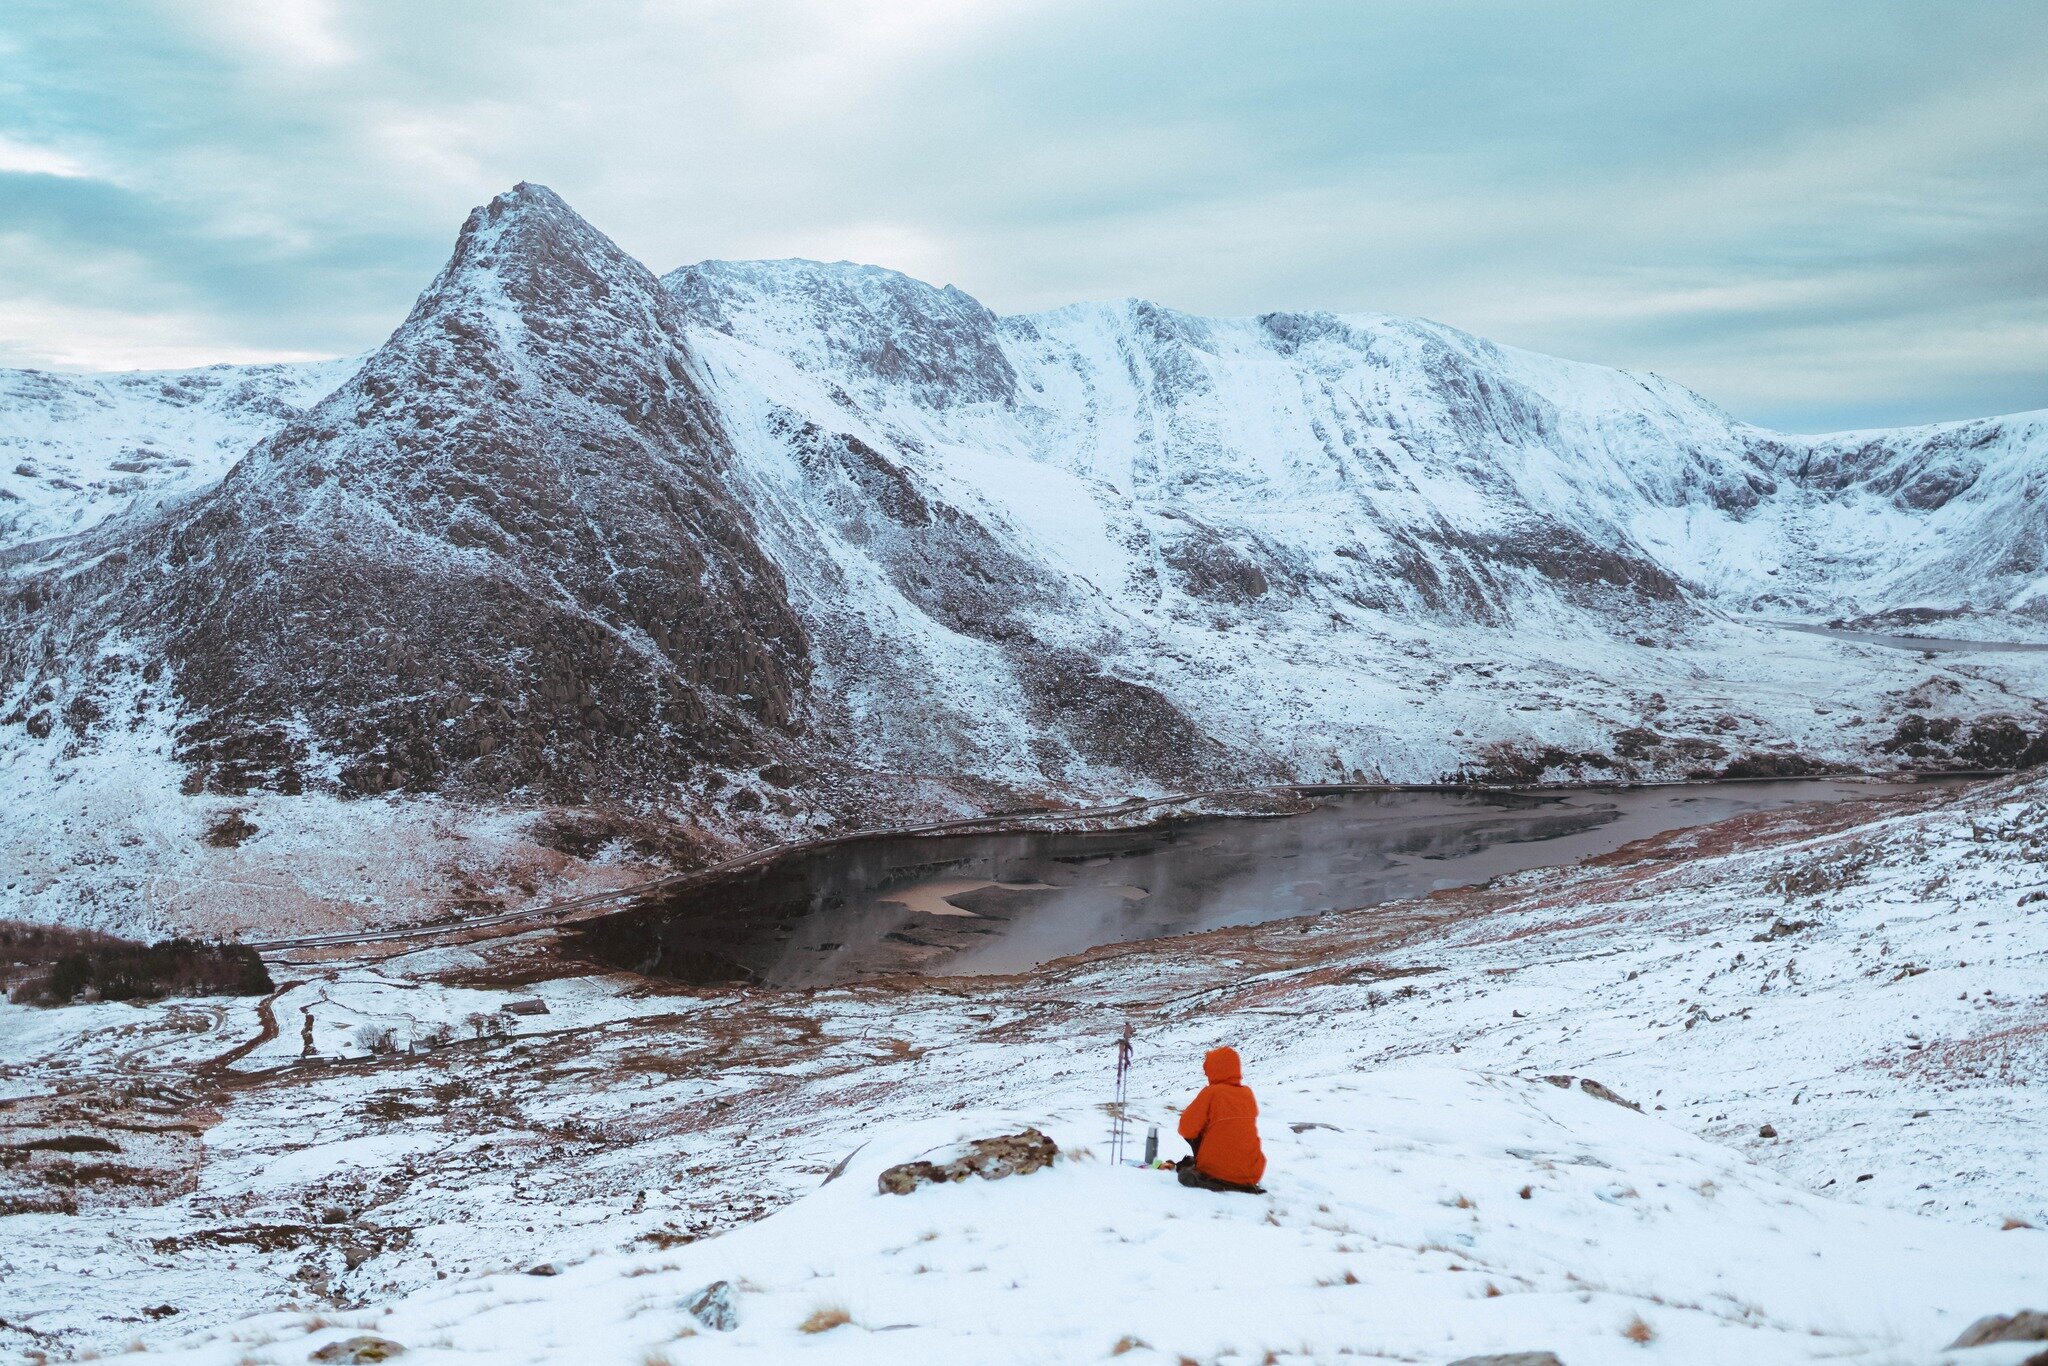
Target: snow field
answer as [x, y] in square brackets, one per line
[1396, 1225]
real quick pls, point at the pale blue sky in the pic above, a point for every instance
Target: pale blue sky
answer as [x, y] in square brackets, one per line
[1818, 214]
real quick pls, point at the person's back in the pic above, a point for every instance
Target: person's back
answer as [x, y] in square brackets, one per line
[1222, 1125]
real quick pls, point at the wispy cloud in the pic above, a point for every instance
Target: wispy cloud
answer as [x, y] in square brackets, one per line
[21, 158]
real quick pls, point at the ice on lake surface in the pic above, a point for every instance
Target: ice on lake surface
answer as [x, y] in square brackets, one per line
[996, 903]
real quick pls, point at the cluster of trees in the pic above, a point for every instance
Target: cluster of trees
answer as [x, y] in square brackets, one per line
[50, 966]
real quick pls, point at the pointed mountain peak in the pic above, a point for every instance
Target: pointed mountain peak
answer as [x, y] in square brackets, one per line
[528, 253]
[531, 226]
[525, 206]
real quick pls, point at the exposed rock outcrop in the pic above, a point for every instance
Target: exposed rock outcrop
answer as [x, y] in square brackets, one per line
[991, 1159]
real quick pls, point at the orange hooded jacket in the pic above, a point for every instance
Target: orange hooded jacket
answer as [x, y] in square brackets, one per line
[1224, 1123]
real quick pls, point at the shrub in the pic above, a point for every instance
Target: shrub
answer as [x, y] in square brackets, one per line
[375, 1039]
[70, 975]
[824, 1320]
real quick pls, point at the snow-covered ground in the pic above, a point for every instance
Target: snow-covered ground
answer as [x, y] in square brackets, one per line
[1417, 1216]
[1870, 980]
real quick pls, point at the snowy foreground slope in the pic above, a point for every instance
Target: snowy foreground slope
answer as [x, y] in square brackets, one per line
[1399, 1229]
[1869, 979]
[586, 570]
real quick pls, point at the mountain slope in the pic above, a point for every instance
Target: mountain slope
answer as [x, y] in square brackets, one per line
[1449, 462]
[1297, 530]
[499, 557]
[77, 449]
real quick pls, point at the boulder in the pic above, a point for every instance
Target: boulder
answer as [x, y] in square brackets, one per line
[1594, 1089]
[2029, 1325]
[714, 1307]
[987, 1158]
[358, 1351]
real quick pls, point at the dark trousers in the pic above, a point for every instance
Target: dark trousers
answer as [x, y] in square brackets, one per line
[1192, 1176]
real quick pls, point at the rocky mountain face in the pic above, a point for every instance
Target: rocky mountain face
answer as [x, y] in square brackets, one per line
[499, 558]
[1338, 546]
[1441, 465]
[779, 546]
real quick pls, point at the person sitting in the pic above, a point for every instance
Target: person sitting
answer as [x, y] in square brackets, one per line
[1222, 1127]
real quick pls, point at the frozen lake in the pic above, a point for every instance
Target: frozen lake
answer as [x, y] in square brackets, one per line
[994, 903]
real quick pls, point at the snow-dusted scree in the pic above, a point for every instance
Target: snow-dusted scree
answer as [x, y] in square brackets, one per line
[586, 569]
[1834, 1021]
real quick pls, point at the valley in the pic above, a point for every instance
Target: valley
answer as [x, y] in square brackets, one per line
[587, 576]
[1867, 967]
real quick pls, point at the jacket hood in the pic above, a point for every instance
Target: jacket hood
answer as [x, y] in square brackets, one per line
[1222, 1065]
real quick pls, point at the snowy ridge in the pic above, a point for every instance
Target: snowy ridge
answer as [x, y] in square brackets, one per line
[1414, 428]
[78, 449]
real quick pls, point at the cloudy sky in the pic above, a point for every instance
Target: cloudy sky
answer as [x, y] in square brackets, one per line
[1820, 215]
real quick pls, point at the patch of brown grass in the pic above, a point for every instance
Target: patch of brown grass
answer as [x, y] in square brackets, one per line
[899, 1049]
[1638, 1331]
[659, 1064]
[824, 1319]
[1127, 1343]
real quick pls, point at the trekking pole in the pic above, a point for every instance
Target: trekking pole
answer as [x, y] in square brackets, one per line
[1123, 1076]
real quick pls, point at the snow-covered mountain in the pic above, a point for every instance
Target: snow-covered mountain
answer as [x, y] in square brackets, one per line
[781, 546]
[1406, 463]
[585, 573]
[77, 449]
